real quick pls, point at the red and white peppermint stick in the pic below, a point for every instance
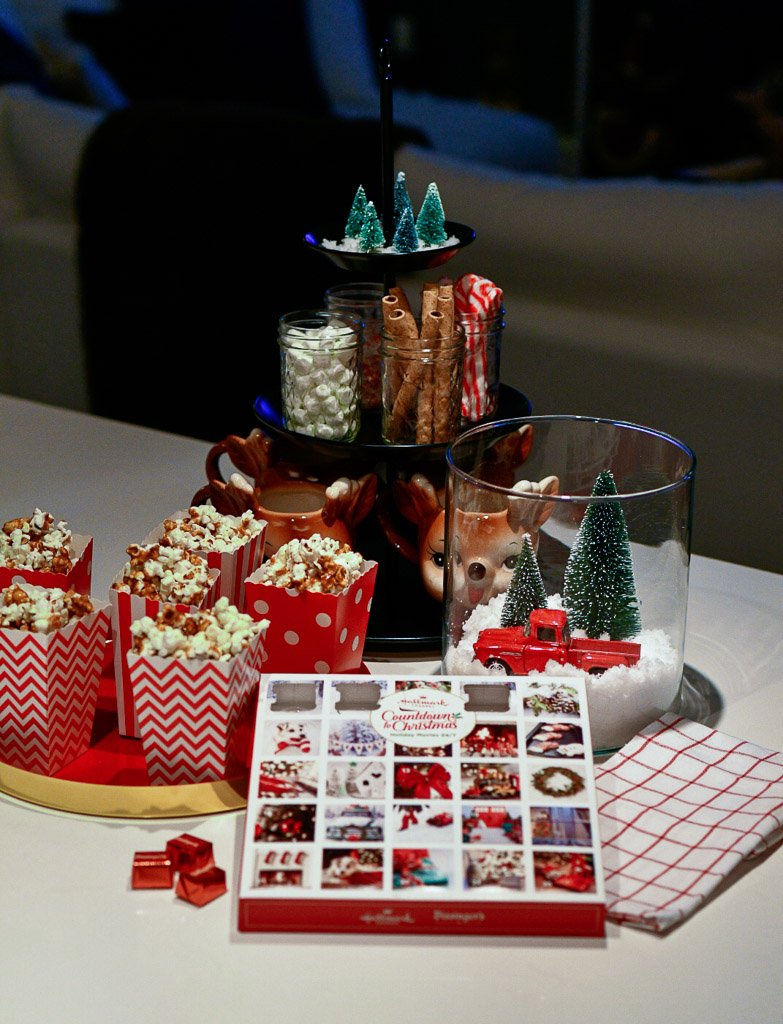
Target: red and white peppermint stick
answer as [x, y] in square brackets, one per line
[476, 299]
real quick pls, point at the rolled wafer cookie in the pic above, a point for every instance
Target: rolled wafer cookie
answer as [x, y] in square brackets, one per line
[429, 299]
[400, 324]
[431, 329]
[415, 381]
[444, 382]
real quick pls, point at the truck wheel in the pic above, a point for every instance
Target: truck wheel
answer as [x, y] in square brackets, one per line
[497, 665]
[597, 670]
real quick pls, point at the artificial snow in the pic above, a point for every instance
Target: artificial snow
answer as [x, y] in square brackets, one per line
[353, 245]
[620, 702]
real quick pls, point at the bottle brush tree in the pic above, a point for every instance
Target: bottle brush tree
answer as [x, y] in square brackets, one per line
[599, 591]
[371, 236]
[430, 221]
[353, 226]
[526, 589]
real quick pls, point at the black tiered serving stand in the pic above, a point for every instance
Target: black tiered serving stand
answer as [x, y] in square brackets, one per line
[403, 616]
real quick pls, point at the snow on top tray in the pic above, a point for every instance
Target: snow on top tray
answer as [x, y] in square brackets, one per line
[460, 235]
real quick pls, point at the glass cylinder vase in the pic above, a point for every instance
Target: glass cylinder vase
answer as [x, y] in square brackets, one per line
[567, 551]
[320, 373]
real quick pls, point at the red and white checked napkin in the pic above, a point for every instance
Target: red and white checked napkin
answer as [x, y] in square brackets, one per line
[679, 807]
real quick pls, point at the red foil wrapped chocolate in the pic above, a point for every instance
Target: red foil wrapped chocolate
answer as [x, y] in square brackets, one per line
[152, 870]
[203, 886]
[189, 853]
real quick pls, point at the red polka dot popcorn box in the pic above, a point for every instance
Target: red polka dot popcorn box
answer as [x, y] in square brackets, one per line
[38, 551]
[51, 652]
[194, 676]
[153, 577]
[313, 630]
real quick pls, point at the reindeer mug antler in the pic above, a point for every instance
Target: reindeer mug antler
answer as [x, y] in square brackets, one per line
[291, 506]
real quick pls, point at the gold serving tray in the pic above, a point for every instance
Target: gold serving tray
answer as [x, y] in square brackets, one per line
[107, 801]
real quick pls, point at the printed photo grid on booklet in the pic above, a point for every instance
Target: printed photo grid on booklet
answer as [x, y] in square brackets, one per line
[455, 805]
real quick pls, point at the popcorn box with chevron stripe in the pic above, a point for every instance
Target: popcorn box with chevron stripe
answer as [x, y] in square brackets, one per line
[234, 566]
[49, 691]
[79, 578]
[125, 609]
[196, 716]
[312, 632]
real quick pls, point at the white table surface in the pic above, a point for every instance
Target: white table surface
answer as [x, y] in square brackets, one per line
[77, 944]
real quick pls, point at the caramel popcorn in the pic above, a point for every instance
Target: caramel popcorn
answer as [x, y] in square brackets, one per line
[34, 543]
[217, 634]
[206, 529]
[319, 564]
[35, 610]
[168, 574]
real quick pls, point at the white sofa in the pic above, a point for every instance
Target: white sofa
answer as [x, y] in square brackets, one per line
[655, 303]
[41, 141]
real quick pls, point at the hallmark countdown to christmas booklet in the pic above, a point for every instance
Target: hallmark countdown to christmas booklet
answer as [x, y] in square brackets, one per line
[441, 805]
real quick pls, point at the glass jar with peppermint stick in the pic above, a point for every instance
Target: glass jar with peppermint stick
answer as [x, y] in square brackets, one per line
[320, 367]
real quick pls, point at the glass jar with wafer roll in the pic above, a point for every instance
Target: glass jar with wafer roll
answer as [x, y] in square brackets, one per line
[421, 368]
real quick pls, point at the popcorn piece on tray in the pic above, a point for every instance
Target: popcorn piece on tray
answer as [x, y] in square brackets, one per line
[44, 553]
[317, 593]
[51, 652]
[193, 676]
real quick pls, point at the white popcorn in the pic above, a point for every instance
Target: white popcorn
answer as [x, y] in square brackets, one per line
[165, 573]
[217, 634]
[316, 563]
[36, 543]
[37, 610]
[206, 529]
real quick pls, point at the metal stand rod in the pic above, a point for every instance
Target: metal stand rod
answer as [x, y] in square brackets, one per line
[387, 153]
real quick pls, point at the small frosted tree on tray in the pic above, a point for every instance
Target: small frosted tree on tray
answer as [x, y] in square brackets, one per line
[599, 591]
[405, 237]
[526, 589]
[402, 200]
[371, 236]
[353, 227]
[430, 221]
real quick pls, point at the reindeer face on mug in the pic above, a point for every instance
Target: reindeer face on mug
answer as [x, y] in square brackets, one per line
[487, 544]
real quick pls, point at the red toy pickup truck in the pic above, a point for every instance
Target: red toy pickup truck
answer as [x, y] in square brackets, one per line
[517, 651]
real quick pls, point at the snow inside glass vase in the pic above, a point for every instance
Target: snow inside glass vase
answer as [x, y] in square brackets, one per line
[567, 552]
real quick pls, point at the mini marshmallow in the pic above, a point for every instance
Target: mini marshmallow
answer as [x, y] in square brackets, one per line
[321, 384]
